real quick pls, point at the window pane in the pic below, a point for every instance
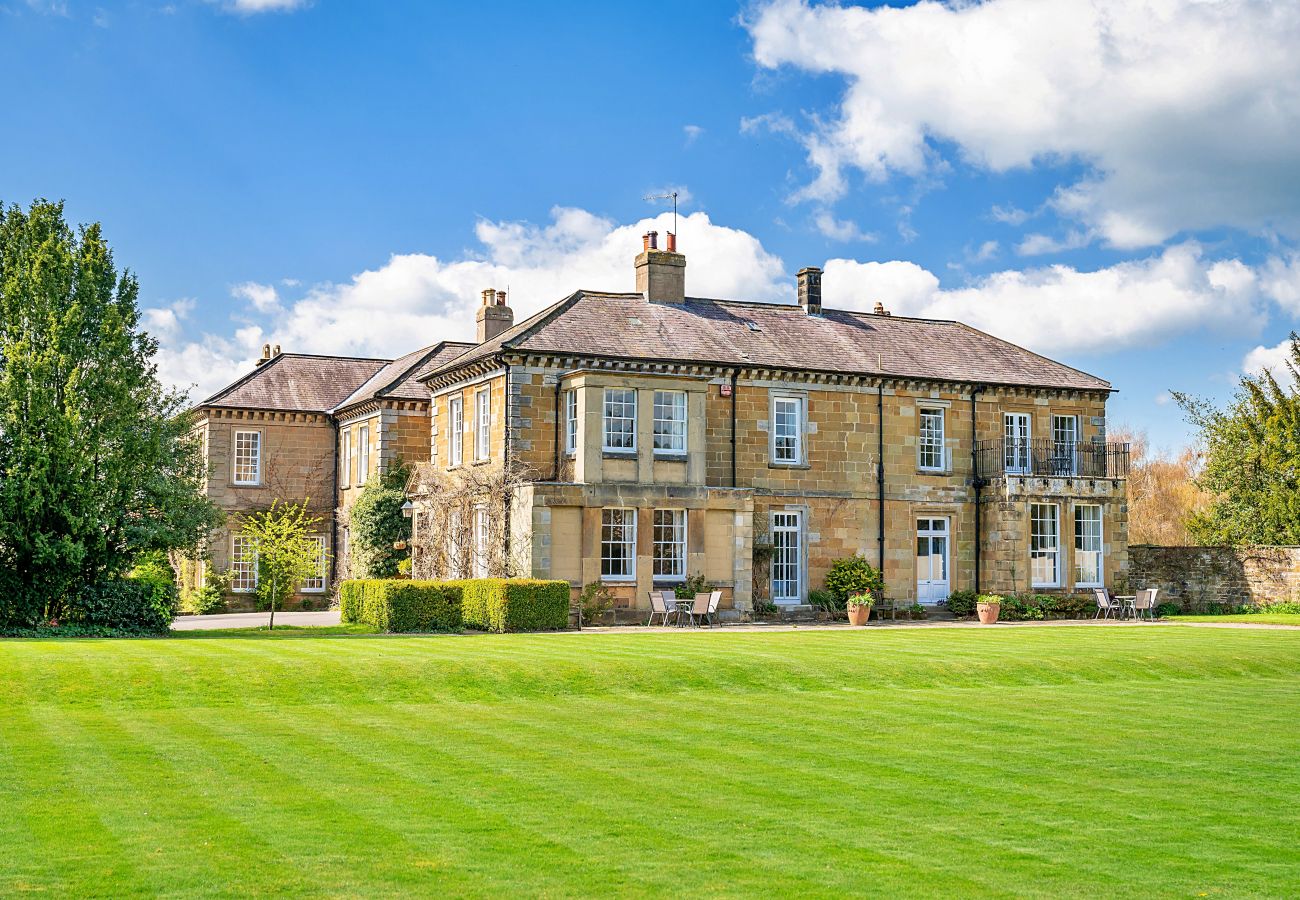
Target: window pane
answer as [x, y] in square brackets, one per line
[455, 431]
[670, 421]
[786, 537]
[322, 565]
[670, 543]
[483, 425]
[620, 419]
[786, 427]
[617, 543]
[248, 457]
[571, 421]
[1044, 545]
[243, 564]
[931, 439]
[1087, 545]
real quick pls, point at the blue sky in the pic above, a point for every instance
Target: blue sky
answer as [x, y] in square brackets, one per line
[1111, 184]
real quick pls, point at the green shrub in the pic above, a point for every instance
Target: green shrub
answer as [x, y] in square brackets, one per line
[211, 598]
[962, 603]
[595, 600]
[694, 584]
[514, 604]
[826, 601]
[854, 575]
[764, 608]
[376, 523]
[1286, 607]
[401, 605]
[127, 605]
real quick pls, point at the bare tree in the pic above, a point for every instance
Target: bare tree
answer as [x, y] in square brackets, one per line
[1162, 491]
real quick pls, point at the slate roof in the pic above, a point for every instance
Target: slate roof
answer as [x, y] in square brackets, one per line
[298, 382]
[782, 336]
[400, 378]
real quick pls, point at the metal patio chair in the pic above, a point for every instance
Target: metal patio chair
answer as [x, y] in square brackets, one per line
[715, 597]
[698, 609]
[1146, 602]
[658, 607]
[1106, 607]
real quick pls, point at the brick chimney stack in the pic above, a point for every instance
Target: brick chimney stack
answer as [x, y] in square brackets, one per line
[810, 290]
[494, 316]
[661, 274]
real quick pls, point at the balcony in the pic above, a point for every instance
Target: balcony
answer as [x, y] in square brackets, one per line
[1050, 459]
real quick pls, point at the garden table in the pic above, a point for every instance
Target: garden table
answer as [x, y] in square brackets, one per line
[1129, 602]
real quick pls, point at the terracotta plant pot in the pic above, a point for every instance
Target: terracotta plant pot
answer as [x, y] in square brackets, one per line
[988, 612]
[859, 613]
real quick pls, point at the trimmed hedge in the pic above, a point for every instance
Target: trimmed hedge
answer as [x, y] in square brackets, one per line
[514, 604]
[125, 606]
[400, 605]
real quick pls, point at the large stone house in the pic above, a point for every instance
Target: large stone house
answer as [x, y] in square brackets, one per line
[638, 438]
[648, 436]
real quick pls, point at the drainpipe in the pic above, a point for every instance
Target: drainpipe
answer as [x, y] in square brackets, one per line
[505, 471]
[559, 413]
[733, 427]
[977, 480]
[334, 505]
[880, 468]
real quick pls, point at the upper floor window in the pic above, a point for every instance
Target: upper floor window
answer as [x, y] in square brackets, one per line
[571, 422]
[670, 421]
[620, 419]
[248, 457]
[316, 584]
[618, 544]
[482, 424]
[345, 460]
[455, 431]
[363, 454]
[787, 430]
[930, 446]
[243, 564]
[1065, 445]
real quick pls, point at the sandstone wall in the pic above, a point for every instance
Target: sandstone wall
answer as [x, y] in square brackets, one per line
[1199, 576]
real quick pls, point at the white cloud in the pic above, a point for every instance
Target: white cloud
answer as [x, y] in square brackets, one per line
[1274, 359]
[417, 299]
[1060, 309]
[165, 322]
[1039, 244]
[1185, 110]
[692, 133]
[1009, 215]
[987, 251]
[262, 297]
[253, 7]
[840, 229]
[663, 195]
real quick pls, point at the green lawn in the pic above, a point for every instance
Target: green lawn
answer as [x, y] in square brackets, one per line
[1041, 761]
[1245, 619]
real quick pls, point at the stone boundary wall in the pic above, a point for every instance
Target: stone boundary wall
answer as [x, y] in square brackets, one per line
[1199, 576]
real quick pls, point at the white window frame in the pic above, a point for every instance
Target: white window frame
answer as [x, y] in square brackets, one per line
[254, 457]
[622, 417]
[668, 554]
[363, 454]
[243, 564]
[776, 448]
[1082, 536]
[455, 556]
[345, 459]
[571, 422]
[787, 522]
[1059, 446]
[317, 585]
[456, 431]
[1017, 446]
[670, 429]
[482, 424]
[618, 530]
[931, 449]
[481, 539]
[1043, 546]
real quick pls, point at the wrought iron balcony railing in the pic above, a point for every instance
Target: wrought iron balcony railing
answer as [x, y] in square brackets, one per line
[1054, 459]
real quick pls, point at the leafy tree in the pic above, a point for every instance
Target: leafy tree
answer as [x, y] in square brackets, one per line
[1251, 461]
[376, 523]
[287, 555]
[95, 462]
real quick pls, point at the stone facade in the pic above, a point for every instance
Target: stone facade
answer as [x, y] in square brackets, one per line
[1197, 577]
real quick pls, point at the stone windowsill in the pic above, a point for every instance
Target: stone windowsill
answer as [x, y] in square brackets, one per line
[785, 465]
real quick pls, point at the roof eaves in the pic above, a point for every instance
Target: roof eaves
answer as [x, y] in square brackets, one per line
[1103, 383]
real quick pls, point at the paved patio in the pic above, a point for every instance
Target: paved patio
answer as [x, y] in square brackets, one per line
[254, 620]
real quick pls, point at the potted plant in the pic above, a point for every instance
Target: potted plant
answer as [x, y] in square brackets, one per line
[988, 606]
[859, 607]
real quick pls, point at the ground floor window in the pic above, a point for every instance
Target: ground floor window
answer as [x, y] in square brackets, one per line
[670, 543]
[317, 585]
[1087, 546]
[454, 539]
[618, 544]
[787, 556]
[243, 564]
[1045, 544]
[480, 542]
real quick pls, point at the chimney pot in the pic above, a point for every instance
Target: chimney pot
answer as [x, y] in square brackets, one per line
[266, 354]
[810, 290]
[672, 242]
[276, 351]
[654, 240]
[501, 298]
[880, 309]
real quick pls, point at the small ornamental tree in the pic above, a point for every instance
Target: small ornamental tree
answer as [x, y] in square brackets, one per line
[854, 575]
[286, 553]
[376, 523]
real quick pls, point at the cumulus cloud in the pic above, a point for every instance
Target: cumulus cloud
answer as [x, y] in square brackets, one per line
[1272, 359]
[262, 297]
[165, 322]
[692, 133]
[417, 299]
[253, 7]
[1059, 309]
[840, 229]
[1184, 111]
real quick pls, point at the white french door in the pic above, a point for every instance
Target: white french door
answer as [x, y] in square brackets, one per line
[932, 543]
[1015, 445]
[1065, 445]
[787, 557]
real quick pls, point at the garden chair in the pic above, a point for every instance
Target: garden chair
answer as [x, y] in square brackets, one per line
[1106, 607]
[715, 597]
[698, 609]
[657, 608]
[1146, 602]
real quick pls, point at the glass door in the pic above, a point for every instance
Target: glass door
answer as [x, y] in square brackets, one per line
[787, 553]
[1065, 445]
[932, 585]
[1015, 446]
